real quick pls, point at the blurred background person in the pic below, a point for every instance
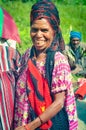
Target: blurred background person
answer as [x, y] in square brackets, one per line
[75, 51]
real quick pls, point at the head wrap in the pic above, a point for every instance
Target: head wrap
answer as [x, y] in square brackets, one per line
[46, 9]
[74, 34]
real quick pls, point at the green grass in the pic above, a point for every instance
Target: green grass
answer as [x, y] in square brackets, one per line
[72, 16]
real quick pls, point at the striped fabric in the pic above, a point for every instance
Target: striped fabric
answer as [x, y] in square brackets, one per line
[9, 59]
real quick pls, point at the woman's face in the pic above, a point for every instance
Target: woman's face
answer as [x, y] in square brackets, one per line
[42, 34]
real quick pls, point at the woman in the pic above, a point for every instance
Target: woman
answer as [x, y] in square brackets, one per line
[9, 61]
[45, 100]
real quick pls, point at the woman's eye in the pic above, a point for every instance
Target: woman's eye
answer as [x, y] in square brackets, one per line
[44, 30]
[34, 30]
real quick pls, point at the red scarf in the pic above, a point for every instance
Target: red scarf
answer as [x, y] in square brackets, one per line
[39, 95]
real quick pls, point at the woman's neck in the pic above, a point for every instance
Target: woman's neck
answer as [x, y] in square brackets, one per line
[40, 54]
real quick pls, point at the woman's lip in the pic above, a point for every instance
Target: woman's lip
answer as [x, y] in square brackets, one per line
[39, 43]
[39, 40]
[38, 46]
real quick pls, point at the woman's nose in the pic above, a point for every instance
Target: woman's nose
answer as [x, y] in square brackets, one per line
[39, 33]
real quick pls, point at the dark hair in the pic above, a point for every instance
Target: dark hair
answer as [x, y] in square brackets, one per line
[45, 9]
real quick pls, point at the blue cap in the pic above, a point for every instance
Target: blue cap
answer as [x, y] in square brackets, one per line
[74, 34]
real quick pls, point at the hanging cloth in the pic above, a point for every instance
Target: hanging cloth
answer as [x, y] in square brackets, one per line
[39, 95]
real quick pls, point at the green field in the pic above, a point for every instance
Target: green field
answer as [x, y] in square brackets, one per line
[72, 15]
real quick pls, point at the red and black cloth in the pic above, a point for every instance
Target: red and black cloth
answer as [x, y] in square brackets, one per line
[39, 95]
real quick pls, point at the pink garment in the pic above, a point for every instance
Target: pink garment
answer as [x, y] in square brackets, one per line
[61, 81]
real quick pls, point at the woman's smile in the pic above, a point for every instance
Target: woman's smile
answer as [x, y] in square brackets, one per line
[42, 34]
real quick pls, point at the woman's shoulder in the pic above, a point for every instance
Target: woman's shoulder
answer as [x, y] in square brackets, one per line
[60, 58]
[59, 55]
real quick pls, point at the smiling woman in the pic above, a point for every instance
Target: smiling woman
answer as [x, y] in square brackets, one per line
[44, 93]
[42, 34]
